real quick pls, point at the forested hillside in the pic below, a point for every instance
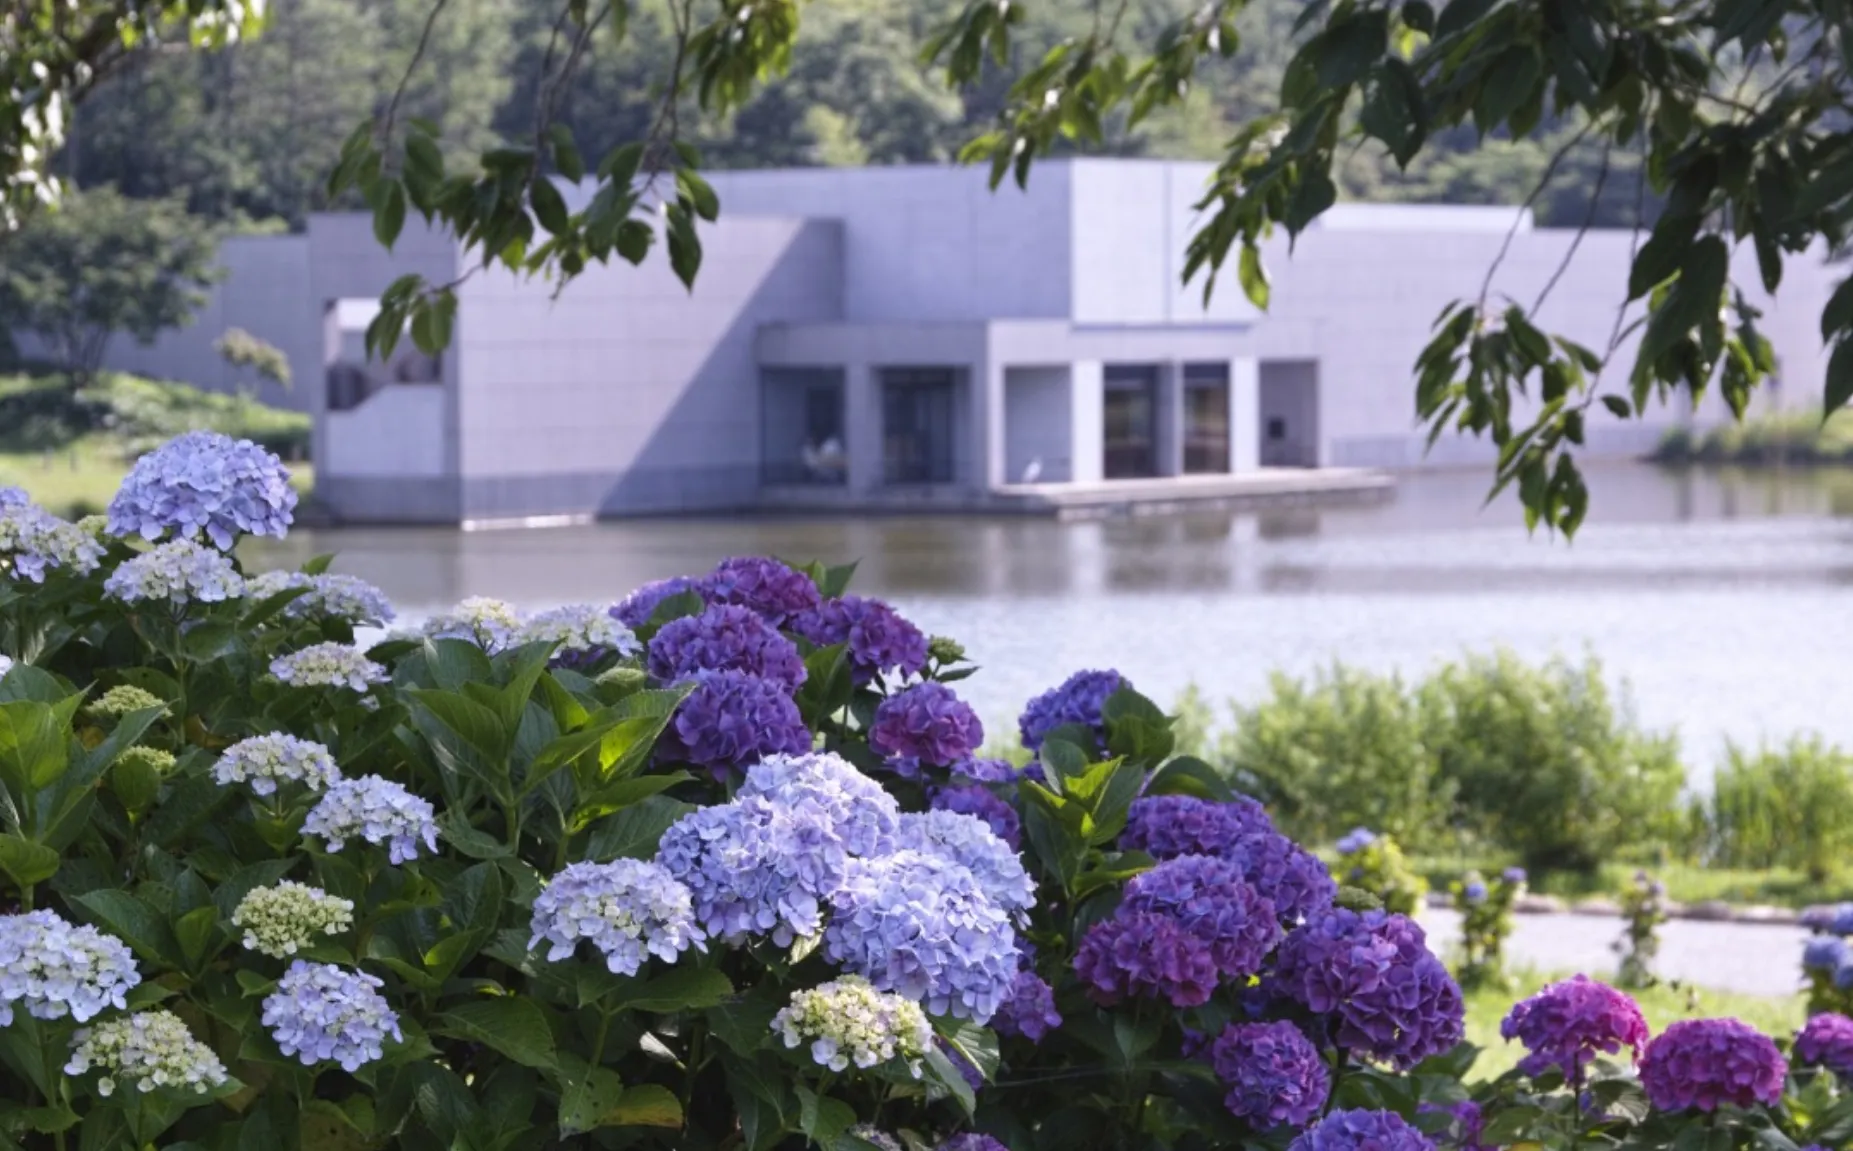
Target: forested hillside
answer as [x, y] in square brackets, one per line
[248, 136]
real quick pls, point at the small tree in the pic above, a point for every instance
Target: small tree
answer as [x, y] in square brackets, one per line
[101, 264]
[253, 356]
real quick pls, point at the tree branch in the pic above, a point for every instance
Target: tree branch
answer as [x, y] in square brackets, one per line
[1589, 219]
[1550, 169]
[405, 78]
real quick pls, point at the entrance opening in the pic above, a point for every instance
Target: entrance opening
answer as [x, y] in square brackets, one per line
[1289, 413]
[918, 440]
[1130, 422]
[1206, 419]
[801, 421]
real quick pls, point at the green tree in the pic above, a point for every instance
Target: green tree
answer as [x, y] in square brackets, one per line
[100, 264]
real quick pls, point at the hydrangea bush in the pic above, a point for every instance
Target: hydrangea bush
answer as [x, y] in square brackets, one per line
[1486, 923]
[714, 868]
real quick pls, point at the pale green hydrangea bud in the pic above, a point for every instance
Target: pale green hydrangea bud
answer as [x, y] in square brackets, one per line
[846, 1020]
[280, 921]
[152, 758]
[121, 700]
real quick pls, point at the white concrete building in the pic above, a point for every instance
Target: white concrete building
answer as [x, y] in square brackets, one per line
[901, 336]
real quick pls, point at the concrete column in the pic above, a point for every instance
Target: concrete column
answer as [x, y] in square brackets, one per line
[986, 406]
[862, 431]
[1244, 415]
[1170, 416]
[1087, 396]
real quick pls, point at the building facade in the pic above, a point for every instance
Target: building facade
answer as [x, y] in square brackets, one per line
[904, 337]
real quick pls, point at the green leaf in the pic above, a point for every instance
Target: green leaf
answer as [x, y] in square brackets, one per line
[634, 832]
[1509, 81]
[1659, 257]
[587, 1096]
[468, 840]
[648, 1105]
[33, 745]
[1837, 316]
[1839, 377]
[942, 1073]
[1315, 194]
[680, 989]
[1187, 775]
[566, 153]
[26, 863]
[1349, 46]
[822, 1119]
[194, 931]
[133, 921]
[1393, 109]
[1254, 276]
[1694, 297]
[467, 738]
[514, 1027]
[389, 215]
[549, 206]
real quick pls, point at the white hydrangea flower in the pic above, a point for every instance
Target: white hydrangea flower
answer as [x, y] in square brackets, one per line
[33, 540]
[847, 1021]
[328, 665]
[584, 632]
[629, 908]
[282, 920]
[6, 663]
[180, 572]
[330, 595]
[149, 1049]
[488, 623]
[267, 760]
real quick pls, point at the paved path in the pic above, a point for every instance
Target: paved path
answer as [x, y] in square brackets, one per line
[1763, 959]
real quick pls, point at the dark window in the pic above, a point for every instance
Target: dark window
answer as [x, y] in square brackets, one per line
[917, 425]
[801, 422]
[1277, 428]
[1130, 422]
[1206, 418]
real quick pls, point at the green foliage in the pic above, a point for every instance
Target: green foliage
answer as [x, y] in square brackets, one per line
[255, 355]
[50, 410]
[1643, 913]
[1771, 439]
[1486, 924]
[100, 265]
[1786, 806]
[1374, 863]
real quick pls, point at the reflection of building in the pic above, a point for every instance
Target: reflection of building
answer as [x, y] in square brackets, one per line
[905, 335]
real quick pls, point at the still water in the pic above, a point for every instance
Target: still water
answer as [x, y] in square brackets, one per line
[1724, 600]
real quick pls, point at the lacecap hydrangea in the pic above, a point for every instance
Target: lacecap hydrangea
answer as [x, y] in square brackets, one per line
[1701, 1063]
[52, 968]
[179, 572]
[1385, 994]
[281, 920]
[264, 761]
[150, 1049]
[629, 909]
[774, 590]
[1275, 1076]
[877, 639]
[205, 483]
[377, 810]
[488, 623]
[321, 1013]
[339, 665]
[582, 634]
[33, 542]
[725, 637]
[847, 1021]
[1568, 1024]
[326, 595]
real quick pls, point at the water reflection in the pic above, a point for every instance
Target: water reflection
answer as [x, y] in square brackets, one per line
[1723, 597]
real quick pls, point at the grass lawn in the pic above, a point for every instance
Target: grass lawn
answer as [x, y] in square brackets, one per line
[1773, 1015]
[1685, 883]
[79, 479]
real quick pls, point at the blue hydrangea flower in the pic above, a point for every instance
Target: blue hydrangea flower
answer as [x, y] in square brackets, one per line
[732, 719]
[771, 588]
[1164, 826]
[1079, 700]
[1145, 954]
[1514, 875]
[984, 769]
[926, 725]
[320, 1013]
[1029, 1010]
[847, 1021]
[765, 864]
[630, 910]
[1474, 891]
[981, 802]
[328, 665]
[636, 609]
[1372, 973]
[921, 926]
[1361, 1131]
[969, 842]
[54, 969]
[722, 638]
[1824, 953]
[1293, 879]
[266, 760]
[1357, 840]
[179, 572]
[378, 811]
[1209, 898]
[488, 623]
[33, 541]
[12, 497]
[1275, 1076]
[327, 596]
[6, 664]
[204, 483]
[583, 633]
[877, 639]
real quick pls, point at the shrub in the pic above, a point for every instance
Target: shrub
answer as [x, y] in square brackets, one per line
[1374, 863]
[1789, 806]
[1341, 750]
[1486, 924]
[1643, 913]
[1547, 764]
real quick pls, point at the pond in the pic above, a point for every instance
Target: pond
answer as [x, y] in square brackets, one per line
[1724, 599]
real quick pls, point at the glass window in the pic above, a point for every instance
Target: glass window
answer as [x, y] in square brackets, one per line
[801, 421]
[918, 425]
[1206, 418]
[1130, 422]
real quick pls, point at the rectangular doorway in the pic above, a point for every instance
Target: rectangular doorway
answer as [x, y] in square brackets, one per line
[1289, 403]
[1129, 422]
[801, 426]
[1206, 419]
[918, 407]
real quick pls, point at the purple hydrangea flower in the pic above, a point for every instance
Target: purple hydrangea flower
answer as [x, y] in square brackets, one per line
[859, 811]
[377, 810]
[769, 587]
[329, 665]
[205, 483]
[1567, 1024]
[1029, 1011]
[1274, 1074]
[276, 757]
[920, 925]
[1078, 700]
[989, 770]
[1474, 891]
[1209, 898]
[1704, 1062]
[1164, 826]
[1145, 954]
[926, 725]
[877, 639]
[971, 1141]
[319, 1013]
[1293, 879]
[635, 609]
[1465, 1124]
[733, 719]
[1827, 1039]
[1387, 994]
[981, 802]
[724, 638]
[630, 910]
[1514, 875]
[1361, 1131]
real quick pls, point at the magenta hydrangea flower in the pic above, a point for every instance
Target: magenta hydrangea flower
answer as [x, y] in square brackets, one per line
[725, 638]
[984, 804]
[771, 588]
[1145, 954]
[635, 609]
[1361, 1131]
[733, 719]
[878, 640]
[1827, 1040]
[1209, 898]
[1386, 994]
[1704, 1062]
[1029, 1010]
[926, 725]
[1164, 826]
[1079, 700]
[1567, 1024]
[1275, 1076]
